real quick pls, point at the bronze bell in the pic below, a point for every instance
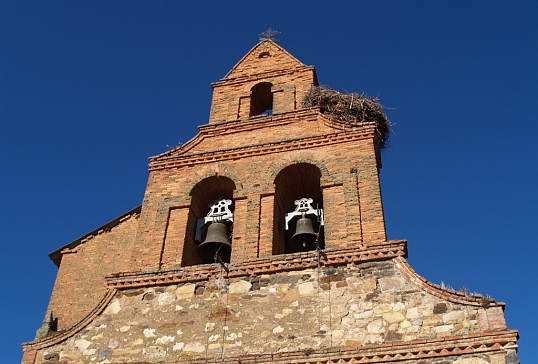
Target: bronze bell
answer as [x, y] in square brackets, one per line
[216, 241]
[305, 237]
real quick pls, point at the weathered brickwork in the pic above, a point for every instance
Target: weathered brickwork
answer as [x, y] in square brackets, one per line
[80, 283]
[267, 62]
[137, 291]
[341, 165]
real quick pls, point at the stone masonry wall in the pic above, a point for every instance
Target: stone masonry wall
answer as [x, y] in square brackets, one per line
[361, 305]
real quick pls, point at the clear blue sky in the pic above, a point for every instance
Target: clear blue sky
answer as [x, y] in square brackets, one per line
[91, 89]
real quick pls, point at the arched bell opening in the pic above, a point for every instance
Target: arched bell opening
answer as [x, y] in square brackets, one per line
[298, 209]
[261, 99]
[210, 216]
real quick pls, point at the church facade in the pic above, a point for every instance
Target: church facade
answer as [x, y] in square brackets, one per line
[261, 240]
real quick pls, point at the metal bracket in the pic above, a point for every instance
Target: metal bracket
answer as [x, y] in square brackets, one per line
[304, 207]
[219, 211]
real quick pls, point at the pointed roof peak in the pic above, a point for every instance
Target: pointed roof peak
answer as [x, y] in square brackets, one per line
[264, 57]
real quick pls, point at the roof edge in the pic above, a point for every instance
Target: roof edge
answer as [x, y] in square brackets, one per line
[56, 256]
[449, 294]
[256, 46]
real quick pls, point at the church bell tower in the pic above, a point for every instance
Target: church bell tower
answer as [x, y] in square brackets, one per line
[262, 240]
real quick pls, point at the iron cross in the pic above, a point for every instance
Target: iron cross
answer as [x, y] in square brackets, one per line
[269, 34]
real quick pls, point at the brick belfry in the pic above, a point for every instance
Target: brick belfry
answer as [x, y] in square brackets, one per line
[261, 240]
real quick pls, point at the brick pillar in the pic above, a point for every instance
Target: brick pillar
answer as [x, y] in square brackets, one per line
[246, 229]
[233, 108]
[253, 227]
[352, 209]
[283, 98]
[174, 250]
[239, 229]
[333, 211]
[373, 221]
[150, 236]
[244, 107]
[267, 226]
[491, 318]
[224, 106]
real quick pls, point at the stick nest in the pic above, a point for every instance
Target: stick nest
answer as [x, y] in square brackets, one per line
[351, 108]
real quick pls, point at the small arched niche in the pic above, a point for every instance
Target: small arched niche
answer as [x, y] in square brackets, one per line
[203, 194]
[261, 99]
[300, 180]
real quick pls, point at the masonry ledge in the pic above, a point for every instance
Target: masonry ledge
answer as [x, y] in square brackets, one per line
[277, 146]
[266, 265]
[498, 341]
[395, 250]
[256, 122]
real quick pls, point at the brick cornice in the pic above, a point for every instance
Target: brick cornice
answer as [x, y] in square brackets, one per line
[260, 121]
[274, 264]
[395, 249]
[237, 126]
[260, 149]
[471, 344]
[311, 114]
[446, 294]
[490, 342]
[500, 341]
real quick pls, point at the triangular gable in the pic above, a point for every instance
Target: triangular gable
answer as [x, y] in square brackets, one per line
[256, 133]
[265, 56]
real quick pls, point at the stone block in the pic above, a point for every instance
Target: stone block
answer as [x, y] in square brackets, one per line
[454, 317]
[185, 291]
[376, 327]
[393, 317]
[393, 283]
[240, 286]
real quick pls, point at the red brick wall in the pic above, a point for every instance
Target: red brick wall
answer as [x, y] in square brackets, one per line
[349, 184]
[29, 356]
[164, 231]
[239, 160]
[266, 62]
[80, 282]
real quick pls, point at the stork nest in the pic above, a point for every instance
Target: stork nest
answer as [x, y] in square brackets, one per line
[351, 108]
